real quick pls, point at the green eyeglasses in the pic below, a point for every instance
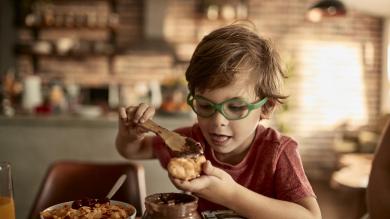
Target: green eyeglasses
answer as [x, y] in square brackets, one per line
[231, 109]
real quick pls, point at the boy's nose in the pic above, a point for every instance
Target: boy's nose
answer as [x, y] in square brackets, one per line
[219, 119]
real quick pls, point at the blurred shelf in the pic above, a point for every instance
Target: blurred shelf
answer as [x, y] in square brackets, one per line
[96, 80]
[67, 56]
[70, 28]
[109, 121]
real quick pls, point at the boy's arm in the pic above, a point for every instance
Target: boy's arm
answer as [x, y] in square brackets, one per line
[378, 191]
[218, 186]
[253, 205]
[133, 147]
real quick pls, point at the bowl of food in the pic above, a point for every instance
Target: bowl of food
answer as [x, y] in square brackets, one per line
[90, 208]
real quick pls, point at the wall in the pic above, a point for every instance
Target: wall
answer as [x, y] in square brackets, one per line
[131, 22]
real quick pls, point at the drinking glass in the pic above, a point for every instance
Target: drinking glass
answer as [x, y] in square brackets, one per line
[7, 207]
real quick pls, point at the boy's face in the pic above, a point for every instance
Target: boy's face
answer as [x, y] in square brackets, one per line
[230, 138]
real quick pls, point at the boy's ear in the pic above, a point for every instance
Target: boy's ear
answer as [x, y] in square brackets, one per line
[267, 109]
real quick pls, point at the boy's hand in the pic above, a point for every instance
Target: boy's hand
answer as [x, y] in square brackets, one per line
[215, 185]
[131, 116]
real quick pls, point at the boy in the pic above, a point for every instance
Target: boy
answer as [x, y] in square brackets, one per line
[234, 78]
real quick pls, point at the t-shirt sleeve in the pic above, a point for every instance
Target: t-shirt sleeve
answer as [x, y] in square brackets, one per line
[291, 183]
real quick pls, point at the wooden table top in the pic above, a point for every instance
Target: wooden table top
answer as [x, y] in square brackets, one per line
[354, 172]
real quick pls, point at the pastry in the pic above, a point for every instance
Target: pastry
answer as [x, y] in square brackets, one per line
[187, 165]
[186, 168]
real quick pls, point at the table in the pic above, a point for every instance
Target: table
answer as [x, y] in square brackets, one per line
[354, 172]
[352, 179]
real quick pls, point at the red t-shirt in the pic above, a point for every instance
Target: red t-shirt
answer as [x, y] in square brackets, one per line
[272, 167]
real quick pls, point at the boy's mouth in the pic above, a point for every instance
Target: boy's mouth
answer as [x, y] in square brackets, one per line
[218, 139]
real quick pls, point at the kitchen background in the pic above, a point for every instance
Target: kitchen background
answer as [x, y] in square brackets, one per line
[67, 65]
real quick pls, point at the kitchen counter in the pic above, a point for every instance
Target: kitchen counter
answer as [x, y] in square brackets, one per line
[66, 120]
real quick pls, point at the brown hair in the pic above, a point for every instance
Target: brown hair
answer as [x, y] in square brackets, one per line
[235, 49]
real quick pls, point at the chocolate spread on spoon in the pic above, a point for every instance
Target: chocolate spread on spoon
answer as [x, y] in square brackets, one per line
[191, 148]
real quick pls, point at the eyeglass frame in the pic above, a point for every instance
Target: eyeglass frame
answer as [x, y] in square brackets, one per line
[218, 107]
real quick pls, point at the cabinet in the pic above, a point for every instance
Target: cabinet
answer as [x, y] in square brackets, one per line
[98, 45]
[69, 40]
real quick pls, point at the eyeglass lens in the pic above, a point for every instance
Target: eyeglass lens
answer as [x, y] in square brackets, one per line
[232, 109]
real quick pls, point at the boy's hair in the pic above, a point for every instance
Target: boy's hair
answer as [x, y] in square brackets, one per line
[235, 49]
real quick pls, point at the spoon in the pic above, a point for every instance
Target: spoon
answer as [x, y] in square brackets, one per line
[91, 202]
[116, 186]
[173, 140]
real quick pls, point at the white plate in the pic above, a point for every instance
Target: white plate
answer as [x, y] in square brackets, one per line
[123, 204]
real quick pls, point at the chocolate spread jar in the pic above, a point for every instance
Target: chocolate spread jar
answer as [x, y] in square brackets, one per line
[171, 206]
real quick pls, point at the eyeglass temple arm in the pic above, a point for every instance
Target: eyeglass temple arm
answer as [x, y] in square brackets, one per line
[258, 104]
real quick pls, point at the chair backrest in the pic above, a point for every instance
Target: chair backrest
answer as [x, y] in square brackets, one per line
[71, 180]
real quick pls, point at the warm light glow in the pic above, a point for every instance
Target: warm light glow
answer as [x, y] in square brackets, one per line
[228, 12]
[212, 12]
[241, 11]
[332, 89]
[314, 15]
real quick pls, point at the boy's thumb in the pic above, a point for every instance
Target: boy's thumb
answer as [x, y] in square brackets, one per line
[210, 170]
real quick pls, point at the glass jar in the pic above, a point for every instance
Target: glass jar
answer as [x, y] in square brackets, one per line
[7, 206]
[171, 206]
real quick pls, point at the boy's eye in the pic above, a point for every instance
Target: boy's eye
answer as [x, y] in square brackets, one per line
[237, 106]
[203, 105]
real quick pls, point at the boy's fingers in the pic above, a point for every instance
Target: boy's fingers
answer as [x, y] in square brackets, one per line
[210, 170]
[123, 118]
[194, 185]
[181, 184]
[148, 114]
[185, 185]
[122, 114]
[140, 112]
[130, 111]
[142, 130]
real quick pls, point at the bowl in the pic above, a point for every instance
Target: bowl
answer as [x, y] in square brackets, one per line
[112, 202]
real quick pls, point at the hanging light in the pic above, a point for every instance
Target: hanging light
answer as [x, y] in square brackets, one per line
[325, 8]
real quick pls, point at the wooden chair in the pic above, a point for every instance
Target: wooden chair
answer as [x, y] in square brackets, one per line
[71, 180]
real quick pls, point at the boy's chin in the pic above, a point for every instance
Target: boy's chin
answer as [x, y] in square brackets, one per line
[222, 149]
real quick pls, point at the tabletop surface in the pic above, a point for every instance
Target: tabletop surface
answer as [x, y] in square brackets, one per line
[354, 172]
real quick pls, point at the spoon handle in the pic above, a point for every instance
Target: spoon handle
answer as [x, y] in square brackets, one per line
[116, 186]
[154, 127]
[172, 139]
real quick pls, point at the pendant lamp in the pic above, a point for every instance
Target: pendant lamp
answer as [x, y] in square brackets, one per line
[325, 8]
